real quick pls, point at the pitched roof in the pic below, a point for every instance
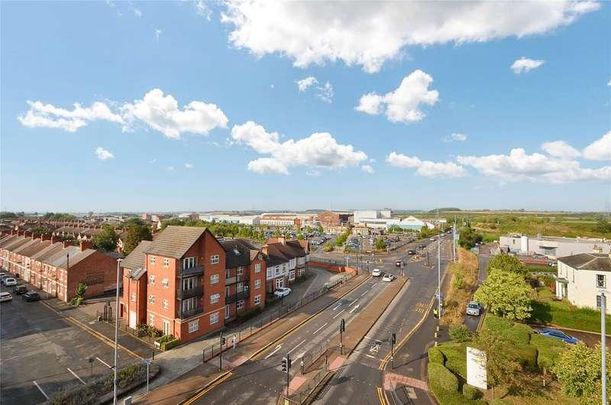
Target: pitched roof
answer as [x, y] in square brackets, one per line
[136, 258]
[588, 261]
[279, 252]
[238, 252]
[174, 241]
[48, 251]
[34, 248]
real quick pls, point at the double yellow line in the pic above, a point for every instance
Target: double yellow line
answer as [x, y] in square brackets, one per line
[217, 381]
[382, 396]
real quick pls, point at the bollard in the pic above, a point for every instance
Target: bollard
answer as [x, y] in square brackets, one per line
[435, 343]
[435, 335]
[437, 328]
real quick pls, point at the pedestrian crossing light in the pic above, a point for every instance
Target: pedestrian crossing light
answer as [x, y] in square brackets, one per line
[286, 364]
[342, 325]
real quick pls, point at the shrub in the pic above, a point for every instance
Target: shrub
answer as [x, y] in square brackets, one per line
[548, 350]
[442, 378]
[436, 356]
[470, 392]
[459, 281]
[460, 333]
[455, 355]
[168, 342]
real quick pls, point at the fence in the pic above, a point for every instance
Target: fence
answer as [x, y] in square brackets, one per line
[305, 393]
[107, 315]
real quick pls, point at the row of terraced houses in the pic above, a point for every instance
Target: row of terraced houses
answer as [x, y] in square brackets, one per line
[187, 283]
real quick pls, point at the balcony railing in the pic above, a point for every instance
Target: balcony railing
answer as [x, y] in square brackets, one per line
[191, 292]
[236, 279]
[192, 271]
[230, 299]
[191, 312]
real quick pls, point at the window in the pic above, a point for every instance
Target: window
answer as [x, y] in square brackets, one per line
[270, 273]
[152, 279]
[132, 297]
[165, 304]
[257, 299]
[214, 259]
[165, 282]
[152, 260]
[240, 271]
[600, 281]
[189, 283]
[188, 262]
[194, 326]
[166, 262]
[214, 279]
[279, 282]
[214, 318]
[240, 304]
[189, 304]
[151, 299]
[152, 319]
[257, 284]
[214, 298]
[258, 268]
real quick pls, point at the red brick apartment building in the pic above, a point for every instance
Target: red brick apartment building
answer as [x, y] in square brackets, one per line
[57, 268]
[186, 284]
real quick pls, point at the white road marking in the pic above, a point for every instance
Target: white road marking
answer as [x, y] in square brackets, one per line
[274, 352]
[355, 308]
[353, 302]
[40, 389]
[103, 362]
[339, 313]
[337, 306]
[296, 346]
[300, 356]
[364, 293]
[319, 329]
[369, 355]
[74, 374]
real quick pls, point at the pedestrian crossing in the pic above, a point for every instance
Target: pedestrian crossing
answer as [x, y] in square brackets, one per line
[420, 307]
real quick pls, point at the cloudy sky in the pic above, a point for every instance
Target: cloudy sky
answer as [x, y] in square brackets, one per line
[154, 106]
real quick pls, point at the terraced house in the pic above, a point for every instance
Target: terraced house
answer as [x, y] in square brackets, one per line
[286, 260]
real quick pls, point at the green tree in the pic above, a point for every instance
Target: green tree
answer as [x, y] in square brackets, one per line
[469, 238]
[341, 239]
[380, 244]
[107, 239]
[505, 294]
[135, 232]
[502, 367]
[300, 236]
[578, 371]
[328, 247]
[508, 263]
[79, 296]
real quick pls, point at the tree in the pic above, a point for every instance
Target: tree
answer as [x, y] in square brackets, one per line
[341, 239]
[80, 291]
[508, 263]
[469, 238]
[505, 294]
[380, 244]
[578, 371]
[501, 365]
[136, 231]
[107, 239]
[300, 236]
[327, 247]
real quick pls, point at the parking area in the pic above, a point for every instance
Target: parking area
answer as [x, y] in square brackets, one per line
[41, 352]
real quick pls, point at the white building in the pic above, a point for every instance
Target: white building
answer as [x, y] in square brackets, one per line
[553, 247]
[231, 219]
[383, 220]
[582, 277]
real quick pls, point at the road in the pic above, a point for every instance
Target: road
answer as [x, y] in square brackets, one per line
[472, 322]
[359, 379]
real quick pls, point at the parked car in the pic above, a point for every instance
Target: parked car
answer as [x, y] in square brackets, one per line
[31, 296]
[411, 252]
[5, 297]
[557, 334]
[4, 277]
[388, 277]
[474, 308]
[10, 282]
[376, 272]
[282, 292]
[20, 289]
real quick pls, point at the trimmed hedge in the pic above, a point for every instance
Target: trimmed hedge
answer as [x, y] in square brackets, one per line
[516, 332]
[170, 344]
[436, 356]
[442, 378]
[470, 392]
[455, 357]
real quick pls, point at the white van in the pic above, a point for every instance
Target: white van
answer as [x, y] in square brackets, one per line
[4, 296]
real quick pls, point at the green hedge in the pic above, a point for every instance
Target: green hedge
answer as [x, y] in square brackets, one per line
[455, 357]
[470, 392]
[436, 356]
[170, 344]
[516, 332]
[442, 378]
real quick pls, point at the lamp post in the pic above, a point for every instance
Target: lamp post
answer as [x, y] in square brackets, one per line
[603, 345]
[114, 396]
[439, 275]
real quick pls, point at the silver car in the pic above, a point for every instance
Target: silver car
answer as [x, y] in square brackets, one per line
[474, 308]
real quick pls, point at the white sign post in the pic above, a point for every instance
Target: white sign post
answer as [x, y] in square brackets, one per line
[476, 368]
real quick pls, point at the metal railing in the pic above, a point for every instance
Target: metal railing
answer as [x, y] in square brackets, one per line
[192, 271]
[190, 312]
[183, 294]
[230, 299]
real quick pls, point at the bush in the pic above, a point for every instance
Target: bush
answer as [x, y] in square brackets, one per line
[436, 356]
[169, 344]
[442, 378]
[526, 355]
[515, 332]
[460, 333]
[456, 357]
[470, 392]
[548, 350]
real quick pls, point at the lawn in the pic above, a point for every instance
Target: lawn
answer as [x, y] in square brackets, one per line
[533, 268]
[562, 313]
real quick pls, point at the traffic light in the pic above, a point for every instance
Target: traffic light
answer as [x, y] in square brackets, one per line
[393, 338]
[286, 364]
[342, 325]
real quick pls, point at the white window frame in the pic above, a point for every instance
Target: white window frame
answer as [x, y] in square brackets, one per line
[215, 298]
[189, 304]
[152, 279]
[151, 299]
[132, 296]
[214, 318]
[165, 283]
[214, 279]
[165, 304]
[194, 326]
[240, 304]
[240, 271]
[152, 260]
[166, 262]
[257, 299]
[152, 319]
[279, 282]
[189, 283]
[258, 268]
[257, 284]
[215, 259]
[189, 262]
[604, 281]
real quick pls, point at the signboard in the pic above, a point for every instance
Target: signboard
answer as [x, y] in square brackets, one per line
[476, 368]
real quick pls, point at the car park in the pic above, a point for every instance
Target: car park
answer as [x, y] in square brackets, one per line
[5, 297]
[31, 296]
[376, 272]
[474, 308]
[282, 292]
[10, 282]
[20, 289]
[388, 277]
[557, 334]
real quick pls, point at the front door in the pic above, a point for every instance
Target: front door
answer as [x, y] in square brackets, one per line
[166, 327]
[132, 319]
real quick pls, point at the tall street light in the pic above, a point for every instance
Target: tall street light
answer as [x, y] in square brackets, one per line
[114, 397]
[603, 345]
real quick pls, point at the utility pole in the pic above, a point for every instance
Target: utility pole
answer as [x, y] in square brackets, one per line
[393, 341]
[114, 394]
[603, 345]
[439, 273]
[221, 343]
[342, 329]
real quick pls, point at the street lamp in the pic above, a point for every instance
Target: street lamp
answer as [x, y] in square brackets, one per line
[603, 344]
[114, 396]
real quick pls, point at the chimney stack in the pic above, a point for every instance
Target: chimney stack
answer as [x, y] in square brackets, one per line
[67, 244]
[86, 244]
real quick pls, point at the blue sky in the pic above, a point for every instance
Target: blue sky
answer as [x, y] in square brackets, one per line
[252, 140]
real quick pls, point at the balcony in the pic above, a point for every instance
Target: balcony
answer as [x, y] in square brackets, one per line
[191, 312]
[192, 292]
[191, 271]
[230, 299]
[236, 279]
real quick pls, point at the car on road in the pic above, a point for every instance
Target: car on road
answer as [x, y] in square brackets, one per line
[376, 272]
[388, 277]
[399, 263]
[5, 297]
[31, 296]
[557, 334]
[474, 308]
[282, 292]
[411, 252]
[10, 282]
[20, 289]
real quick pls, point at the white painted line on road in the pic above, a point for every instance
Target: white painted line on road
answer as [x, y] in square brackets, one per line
[298, 344]
[300, 356]
[337, 306]
[355, 308]
[319, 329]
[40, 389]
[339, 313]
[366, 291]
[274, 352]
[353, 302]
[74, 374]
[103, 362]
[369, 355]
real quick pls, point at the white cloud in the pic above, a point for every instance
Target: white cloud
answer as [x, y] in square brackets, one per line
[455, 137]
[103, 154]
[404, 103]
[599, 149]
[305, 83]
[158, 33]
[560, 149]
[525, 65]
[317, 151]
[42, 115]
[188, 166]
[425, 168]
[202, 9]
[609, 83]
[371, 33]
[368, 169]
[171, 168]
